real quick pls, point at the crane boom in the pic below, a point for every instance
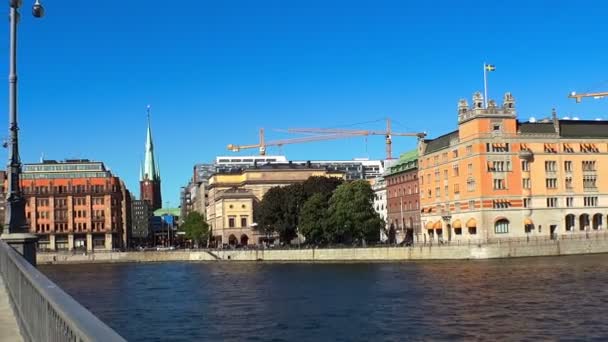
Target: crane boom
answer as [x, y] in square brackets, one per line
[327, 134]
[579, 97]
[388, 133]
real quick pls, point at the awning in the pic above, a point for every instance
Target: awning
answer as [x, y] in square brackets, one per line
[457, 224]
[528, 222]
[471, 223]
[429, 225]
[438, 225]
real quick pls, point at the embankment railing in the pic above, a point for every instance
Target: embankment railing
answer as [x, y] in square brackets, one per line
[44, 311]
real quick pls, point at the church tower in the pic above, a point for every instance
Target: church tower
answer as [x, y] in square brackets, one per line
[149, 177]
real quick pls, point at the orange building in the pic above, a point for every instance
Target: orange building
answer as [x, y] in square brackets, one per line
[76, 204]
[497, 177]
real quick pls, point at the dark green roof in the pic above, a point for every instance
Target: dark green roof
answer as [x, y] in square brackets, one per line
[407, 161]
[583, 129]
[440, 143]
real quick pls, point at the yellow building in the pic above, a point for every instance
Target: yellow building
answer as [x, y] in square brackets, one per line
[497, 177]
[232, 198]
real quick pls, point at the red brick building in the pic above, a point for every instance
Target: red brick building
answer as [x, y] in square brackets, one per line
[76, 204]
[403, 198]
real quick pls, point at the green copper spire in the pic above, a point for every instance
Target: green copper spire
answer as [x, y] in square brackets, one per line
[149, 163]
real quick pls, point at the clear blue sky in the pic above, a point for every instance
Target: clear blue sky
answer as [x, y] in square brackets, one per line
[216, 71]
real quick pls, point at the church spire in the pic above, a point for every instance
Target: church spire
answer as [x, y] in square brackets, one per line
[149, 163]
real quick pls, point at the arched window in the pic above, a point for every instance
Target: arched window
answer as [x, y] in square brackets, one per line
[501, 226]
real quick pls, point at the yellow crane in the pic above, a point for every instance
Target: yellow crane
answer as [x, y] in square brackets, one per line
[388, 134]
[327, 134]
[579, 97]
[263, 144]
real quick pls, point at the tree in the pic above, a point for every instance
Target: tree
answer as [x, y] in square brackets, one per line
[313, 218]
[196, 228]
[279, 210]
[351, 214]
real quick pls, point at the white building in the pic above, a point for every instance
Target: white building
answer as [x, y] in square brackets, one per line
[380, 204]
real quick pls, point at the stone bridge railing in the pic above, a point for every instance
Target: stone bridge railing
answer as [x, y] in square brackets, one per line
[44, 311]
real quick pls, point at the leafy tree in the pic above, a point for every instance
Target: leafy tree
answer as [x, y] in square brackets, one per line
[269, 212]
[351, 215]
[196, 228]
[313, 218]
[279, 210]
[320, 184]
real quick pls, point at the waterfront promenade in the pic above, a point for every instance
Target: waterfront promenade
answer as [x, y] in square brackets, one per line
[9, 330]
[592, 243]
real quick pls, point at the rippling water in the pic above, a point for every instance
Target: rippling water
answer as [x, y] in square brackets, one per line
[516, 299]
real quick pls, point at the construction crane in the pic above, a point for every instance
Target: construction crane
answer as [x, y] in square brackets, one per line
[388, 133]
[262, 145]
[579, 97]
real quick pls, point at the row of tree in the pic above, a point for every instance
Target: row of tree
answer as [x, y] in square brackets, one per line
[324, 210]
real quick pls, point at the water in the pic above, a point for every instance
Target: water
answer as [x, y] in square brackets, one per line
[517, 299]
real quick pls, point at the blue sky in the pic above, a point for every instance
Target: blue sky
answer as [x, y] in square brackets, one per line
[216, 71]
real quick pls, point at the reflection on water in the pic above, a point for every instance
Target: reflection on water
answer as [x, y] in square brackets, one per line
[535, 298]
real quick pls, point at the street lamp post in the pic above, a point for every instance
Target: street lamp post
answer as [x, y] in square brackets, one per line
[16, 232]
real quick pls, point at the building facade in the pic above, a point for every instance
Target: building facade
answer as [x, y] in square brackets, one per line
[497, 177]
[141, 223]
[149, 179]
[403, 198]
[380, 204]
[76, 204]
[233, 196]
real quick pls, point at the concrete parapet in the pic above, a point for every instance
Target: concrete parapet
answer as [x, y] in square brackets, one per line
[421, 252]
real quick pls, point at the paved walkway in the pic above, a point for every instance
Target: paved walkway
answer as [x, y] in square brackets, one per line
[9, 330]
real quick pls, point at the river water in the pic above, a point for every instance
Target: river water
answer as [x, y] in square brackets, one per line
[513, 299]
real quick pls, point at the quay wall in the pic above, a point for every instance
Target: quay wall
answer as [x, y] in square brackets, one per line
[421, 252]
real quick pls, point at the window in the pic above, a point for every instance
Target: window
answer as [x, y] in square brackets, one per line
[437, 192]
[525, 183]
[568, 166]
[243, 221]
[550, 166]
[589, 182]
[568, 148]
[568, 182]
[455, 170]
[496, 128]
[470, 169]
[456, 188]
[437, 177]
[551, 183]
[445, 174]
[569, 202]
[444, 156]
[589, 165]
[471, 205]
[499, 184]
[469, 149]
[231, 222]
[551, 202]
[501, 226]
[527, 202]
[470, 184]
[590, 201]
[446, 191]
[525, 165]
[454, 153]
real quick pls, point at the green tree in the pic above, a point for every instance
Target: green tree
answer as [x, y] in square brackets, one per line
[313, 218]
[196, 228]
[279, 211]
[351, 214]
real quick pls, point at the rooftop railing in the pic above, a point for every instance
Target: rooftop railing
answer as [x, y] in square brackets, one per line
[44, 311]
